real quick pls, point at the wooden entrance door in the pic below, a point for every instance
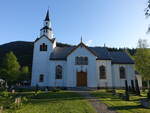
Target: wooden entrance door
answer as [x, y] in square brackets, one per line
[81, 79]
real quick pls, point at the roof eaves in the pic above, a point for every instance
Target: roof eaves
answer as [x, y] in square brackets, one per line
[52, 40]
[103, 59]
[46, 28]
[57, 59]
[122, 63]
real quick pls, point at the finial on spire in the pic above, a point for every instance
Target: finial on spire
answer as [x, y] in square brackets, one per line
[47, 15]
[104, 45]
[81, 38]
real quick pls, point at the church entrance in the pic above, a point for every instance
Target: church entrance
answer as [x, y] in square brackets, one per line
[81, 79]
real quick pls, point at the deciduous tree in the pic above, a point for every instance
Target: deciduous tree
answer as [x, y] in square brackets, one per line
[142, 60]
[24, 74]
[10, 68]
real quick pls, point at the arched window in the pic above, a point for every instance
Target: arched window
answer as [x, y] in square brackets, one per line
[102, 72]
[43, 47]
[58, 72]
[41, 78]
[122, 73]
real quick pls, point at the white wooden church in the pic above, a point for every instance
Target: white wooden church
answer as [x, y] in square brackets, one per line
[77, 66]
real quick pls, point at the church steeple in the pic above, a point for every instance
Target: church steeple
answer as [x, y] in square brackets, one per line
[47, 30]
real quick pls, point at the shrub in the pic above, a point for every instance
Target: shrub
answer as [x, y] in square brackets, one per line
[55, 90]
[24, 89]
[25, 99]
[5, 94]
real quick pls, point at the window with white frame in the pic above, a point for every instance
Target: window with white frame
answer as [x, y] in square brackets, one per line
[102, 72]
[58, 72]
[80, 60]
[122, 72]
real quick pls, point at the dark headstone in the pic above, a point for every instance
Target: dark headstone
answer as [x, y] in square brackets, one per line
[137, 87]
[148, 94]
[132, 85]
[36, 88]
[114, 91]
[126, 91]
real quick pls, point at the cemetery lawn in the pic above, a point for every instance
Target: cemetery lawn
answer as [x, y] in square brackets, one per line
[52, 102]
[119, 105]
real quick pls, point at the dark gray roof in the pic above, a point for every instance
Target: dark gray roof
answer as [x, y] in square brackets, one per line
[52, 40]
[121, 58]
[60, 53]
[101, 52]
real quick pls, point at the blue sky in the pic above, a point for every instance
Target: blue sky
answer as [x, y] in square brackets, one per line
[117, 23]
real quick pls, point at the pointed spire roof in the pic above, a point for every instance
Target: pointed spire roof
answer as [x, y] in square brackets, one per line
[47, 16]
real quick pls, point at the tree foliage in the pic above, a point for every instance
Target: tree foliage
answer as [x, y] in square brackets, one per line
[147, 10]
[147, 13]
[24, 74]
[142, 59]
[10, 68]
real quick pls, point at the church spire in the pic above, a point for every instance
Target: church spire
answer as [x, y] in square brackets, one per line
[47, 30]
[47, 16]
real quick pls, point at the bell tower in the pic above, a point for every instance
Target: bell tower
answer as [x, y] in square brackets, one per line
[47, 29]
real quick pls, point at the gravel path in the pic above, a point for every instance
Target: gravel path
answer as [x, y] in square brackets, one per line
[96, 103]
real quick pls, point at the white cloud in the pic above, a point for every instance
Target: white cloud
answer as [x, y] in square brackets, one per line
[89, 42]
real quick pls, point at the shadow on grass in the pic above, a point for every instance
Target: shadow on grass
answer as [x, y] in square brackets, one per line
[52, 97]
[125, 107]
[43, 97]
[103, 96]
[55, 97]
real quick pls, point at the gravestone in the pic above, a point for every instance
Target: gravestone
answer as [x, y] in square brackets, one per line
[46, 90]
[1, 109]
[13, 91]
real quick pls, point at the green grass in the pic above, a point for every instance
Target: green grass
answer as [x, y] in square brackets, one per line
[121, 106]
[54, 102]
[70, 102]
